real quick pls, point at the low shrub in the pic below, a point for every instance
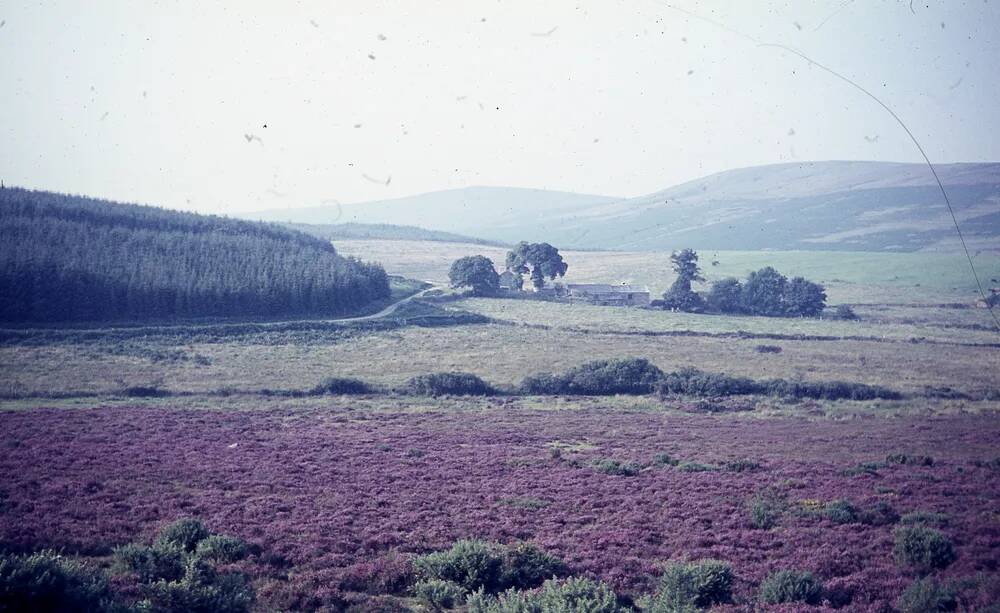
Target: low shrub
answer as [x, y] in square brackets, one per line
[222, 548]
[608, 377]
[490, 567]
[45, 581]
[922, 548]
[880, 514]
[598, 378]
[526, 566]
[145, 391]
[828, 390]
[790, 586]
[927, 596]
[844, 311]
[911, 460]
[864, 468]
[766, 509]
[183, 534]
[543, 384]
[694, 382]
[471, 564]
[439, 595]
[692, 584]
[573, 595]
[841, 512]
[201, 590]
[742, 465]
[927, 518]
[617, 467]
[341, 385]
[148, 563]
[696, 467]
[665, 459]
[767, 349]
[450, 383]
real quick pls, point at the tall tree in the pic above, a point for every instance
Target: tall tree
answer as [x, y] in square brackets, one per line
[804, 297]
[724, 295]
[477, 272]
[680, 296]
[763, 293]
[541, 260]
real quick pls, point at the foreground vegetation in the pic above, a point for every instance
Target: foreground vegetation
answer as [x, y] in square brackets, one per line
[515, 509]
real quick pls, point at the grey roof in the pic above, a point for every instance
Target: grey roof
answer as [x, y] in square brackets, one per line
[603, 288]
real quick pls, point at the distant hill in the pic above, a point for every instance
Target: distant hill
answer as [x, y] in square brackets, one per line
[477, 211]
[68, 258]
[382, 231]
[850, 206]
[855, 206]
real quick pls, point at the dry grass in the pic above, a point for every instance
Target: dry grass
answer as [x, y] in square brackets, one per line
[616, 319]
[501, 354]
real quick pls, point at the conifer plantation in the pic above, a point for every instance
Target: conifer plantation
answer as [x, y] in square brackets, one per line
[72, 259]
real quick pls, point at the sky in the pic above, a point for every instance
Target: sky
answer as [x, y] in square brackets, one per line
[231, 107]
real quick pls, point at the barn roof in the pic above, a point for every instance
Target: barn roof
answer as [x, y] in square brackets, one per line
[604, 288]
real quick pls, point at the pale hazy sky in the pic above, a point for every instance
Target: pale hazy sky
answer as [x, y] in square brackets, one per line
[151, 101]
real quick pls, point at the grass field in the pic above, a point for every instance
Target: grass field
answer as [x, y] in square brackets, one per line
[850, 277]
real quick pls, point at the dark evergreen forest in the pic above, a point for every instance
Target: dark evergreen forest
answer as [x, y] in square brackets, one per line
[73, 259]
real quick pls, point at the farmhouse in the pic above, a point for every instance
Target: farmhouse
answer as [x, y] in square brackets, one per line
[608, 295]
[509, 281]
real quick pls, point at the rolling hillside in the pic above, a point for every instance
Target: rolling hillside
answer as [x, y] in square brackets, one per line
[841, 206]
[852, 206]
[68, 258]
[496, 213]
[383, 231]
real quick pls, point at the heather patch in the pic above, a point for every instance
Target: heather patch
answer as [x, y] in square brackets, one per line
[340, 509]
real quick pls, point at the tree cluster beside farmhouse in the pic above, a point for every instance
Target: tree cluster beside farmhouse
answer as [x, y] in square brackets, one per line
[764, 292]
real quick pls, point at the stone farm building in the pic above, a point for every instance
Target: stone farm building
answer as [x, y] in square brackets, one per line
[608, 295]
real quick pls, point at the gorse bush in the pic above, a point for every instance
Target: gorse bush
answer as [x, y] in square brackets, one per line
[439, 595]
[183, 534]
[692, 584]
[922, 548]
[526, 566]
[790, 586]
[617, 467]
[827, 390]
[470, 564]
[45, 581]
[223, 549]
[341, 385]
[177, 573]
[491, 567]
[927, 596]
[694, 382]
[573, 595]
[448, 383]
[841, 512]
[148, 563]
[201, 590]
[598, 378]
[911, 460]
[766, 509]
